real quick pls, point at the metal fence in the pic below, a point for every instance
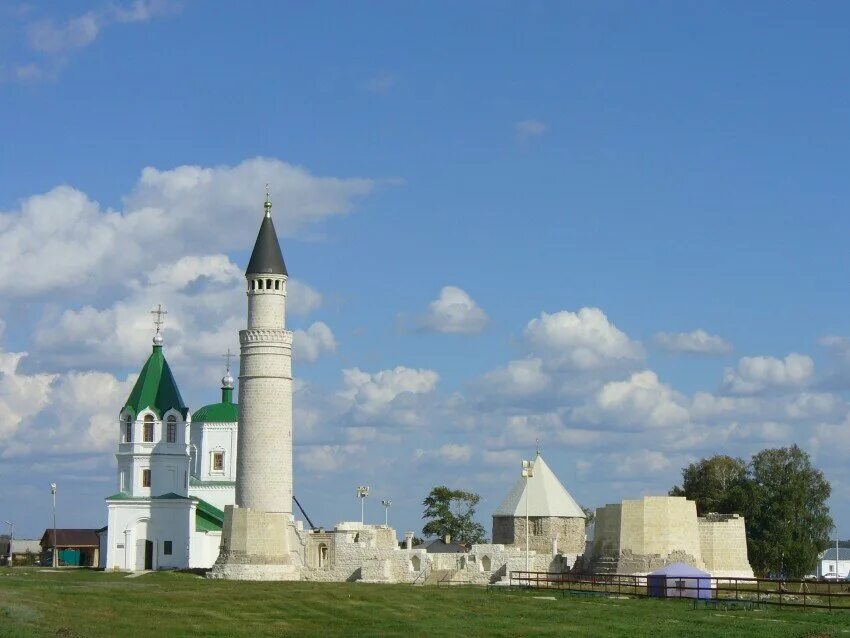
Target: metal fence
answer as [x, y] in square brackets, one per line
[708, 591]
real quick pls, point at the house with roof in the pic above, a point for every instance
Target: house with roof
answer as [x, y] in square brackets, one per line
[175, 475]
[76, 547]
[555, 521]
[834, 563]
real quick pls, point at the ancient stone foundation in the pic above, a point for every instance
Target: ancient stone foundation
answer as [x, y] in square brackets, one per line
[255, 546]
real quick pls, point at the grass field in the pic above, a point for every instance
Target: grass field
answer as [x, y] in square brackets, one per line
[68, 603]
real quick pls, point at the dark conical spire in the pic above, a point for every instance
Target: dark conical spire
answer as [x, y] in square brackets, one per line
[266, 259]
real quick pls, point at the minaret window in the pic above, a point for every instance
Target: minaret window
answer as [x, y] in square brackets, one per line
[128, 429]
[268, 284]
[147, 432]
[277, 284]
[171, 429]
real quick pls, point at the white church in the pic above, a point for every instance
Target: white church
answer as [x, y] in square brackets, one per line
[176, 473]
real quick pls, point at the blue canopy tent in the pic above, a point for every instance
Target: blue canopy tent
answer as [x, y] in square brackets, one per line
[679, 580]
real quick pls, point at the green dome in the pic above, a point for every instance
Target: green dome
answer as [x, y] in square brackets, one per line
[224, 412]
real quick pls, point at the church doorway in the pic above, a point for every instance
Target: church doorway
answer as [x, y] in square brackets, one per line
[144, 554]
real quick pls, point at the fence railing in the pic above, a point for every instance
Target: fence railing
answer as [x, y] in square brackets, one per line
[831, 595]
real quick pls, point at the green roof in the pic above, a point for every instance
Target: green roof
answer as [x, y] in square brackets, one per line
[123, 496]
[208, 518]
[155, 388]
[224, 412]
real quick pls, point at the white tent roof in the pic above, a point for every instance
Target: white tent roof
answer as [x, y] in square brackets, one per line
[546, 496]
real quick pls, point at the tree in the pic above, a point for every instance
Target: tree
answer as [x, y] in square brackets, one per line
[781, 496]
[589, 515]
[452, 512]
[716, 484]
[788, 521]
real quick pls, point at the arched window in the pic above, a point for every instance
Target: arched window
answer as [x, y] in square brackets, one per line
[268, 284]
[147, 432]
[323, 555]
[259, 284]
[128, 429]
[277, 284]
[486, 564]
[171, 429]
[416, 563]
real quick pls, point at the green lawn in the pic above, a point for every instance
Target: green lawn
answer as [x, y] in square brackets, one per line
[70, 603]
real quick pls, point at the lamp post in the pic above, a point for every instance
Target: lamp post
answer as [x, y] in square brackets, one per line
[835, 529]
[362, 493]
[386, 503]
[55, 548]
[11, 537]
[527, 473]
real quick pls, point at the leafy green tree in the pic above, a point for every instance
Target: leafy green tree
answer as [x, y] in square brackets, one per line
[589, 515]
[452, 512]
[781, 495]
[716, 484]
[788, 521]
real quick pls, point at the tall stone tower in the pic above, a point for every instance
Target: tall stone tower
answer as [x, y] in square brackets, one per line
[255, 543]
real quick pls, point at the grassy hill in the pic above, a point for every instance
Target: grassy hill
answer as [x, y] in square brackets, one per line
[77, 602]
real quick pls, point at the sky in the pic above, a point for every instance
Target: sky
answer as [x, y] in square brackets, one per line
[617, 228]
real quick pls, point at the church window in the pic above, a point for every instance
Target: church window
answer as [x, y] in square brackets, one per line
[166, 548]
[146, 478]
[147, 434]
[218, 462]
[171, 432]
[128, 429]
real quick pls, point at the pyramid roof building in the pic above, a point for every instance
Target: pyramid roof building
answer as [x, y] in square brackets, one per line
[156, 388]
[547, 497]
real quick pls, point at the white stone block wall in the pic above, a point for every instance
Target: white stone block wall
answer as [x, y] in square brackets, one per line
[723, 542]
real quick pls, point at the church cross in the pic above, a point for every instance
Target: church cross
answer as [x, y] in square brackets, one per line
[228, 355]
[158, 312]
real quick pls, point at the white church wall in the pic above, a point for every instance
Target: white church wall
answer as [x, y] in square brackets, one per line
[216, 495]
[131, 523]
[217, 437]
[205, 548]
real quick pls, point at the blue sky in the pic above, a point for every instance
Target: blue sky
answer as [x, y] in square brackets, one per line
[616, 227]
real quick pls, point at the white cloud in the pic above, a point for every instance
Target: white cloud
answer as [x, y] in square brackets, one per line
[21, 395]
[301, 299]
[697, 341]
[526, 129]
[759, 374]
[310, 344]
[454, 311]
[638, 403]
[63, 241]
[375, 395]
[320, 459]
[583, 340]
[522, 377]
[455, 453]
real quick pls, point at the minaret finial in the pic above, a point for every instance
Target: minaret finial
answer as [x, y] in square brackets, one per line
[537, 441]
[158, 311]
[227, 379]
[268, 204]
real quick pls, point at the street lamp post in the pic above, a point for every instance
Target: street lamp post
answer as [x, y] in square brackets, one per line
[362, 493]
[386, 503]
[527, 473]
[11, 538]
[55, 548]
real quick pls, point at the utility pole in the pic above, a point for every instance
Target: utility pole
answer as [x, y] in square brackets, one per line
[362, 493]
[55, 548]
[527, 473]
[386, 503]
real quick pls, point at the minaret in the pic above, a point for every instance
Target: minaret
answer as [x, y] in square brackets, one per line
[255, 543]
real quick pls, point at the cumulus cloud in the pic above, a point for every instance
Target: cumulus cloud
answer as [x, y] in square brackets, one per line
[385, 394]
[321, 459]
[454, 453]
[584, 340]
[454, 311]
[21, 395]
[522, 377]
[697, 341]
[639, 402]
[754, 375]
[62, 241]
[309, 345]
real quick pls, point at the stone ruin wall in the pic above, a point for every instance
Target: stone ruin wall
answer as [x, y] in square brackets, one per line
[510, 530]
[723, 540]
